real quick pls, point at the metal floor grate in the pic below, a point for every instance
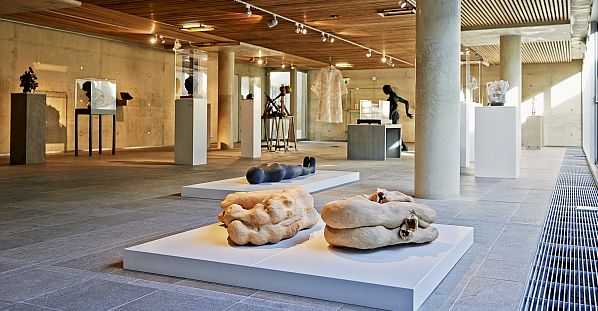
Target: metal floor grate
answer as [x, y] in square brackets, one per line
[564, 274]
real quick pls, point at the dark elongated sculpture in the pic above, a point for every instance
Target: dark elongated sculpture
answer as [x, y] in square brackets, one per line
[276, 172]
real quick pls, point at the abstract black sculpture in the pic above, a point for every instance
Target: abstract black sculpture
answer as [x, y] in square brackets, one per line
[277, 172]
[28, 81]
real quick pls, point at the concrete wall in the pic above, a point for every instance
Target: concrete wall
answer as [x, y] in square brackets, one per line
[555, 90]
[146, 73]
[364, 84]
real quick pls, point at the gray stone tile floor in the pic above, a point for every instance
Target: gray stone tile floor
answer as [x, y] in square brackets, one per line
[65, 223]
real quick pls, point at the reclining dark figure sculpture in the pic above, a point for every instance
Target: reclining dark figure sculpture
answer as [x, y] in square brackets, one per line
[276, 172]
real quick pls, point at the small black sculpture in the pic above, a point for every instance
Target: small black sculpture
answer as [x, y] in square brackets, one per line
[189, 85]
[394, 100]
[277, 172]
[28, 81]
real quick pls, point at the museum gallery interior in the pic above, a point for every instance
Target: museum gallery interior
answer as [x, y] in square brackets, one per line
[298, 155]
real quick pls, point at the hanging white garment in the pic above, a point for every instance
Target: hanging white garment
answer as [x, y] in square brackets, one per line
[330, 88]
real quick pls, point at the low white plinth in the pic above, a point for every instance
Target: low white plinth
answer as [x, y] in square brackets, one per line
[497, 142]
[396, 278]
[249, 124]
[190, 131]
[320, 180]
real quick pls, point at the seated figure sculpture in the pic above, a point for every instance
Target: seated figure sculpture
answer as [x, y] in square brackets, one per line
[267, 216]
[277, 172]
[381, 219]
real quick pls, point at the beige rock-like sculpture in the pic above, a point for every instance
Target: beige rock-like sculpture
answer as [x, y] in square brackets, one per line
[269, 216]
[381, 219]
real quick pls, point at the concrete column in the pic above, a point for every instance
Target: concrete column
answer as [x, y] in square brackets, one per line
[438, 29]
[226, 74]
[510, 67]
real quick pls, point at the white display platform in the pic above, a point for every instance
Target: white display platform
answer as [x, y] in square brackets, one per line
[397, 277]
[497, 142]
[320, 180]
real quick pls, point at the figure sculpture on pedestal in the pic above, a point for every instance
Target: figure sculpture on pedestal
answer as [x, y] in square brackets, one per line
[394, 100]
[28, 81]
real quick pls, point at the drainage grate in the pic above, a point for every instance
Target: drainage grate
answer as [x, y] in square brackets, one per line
[564, 274]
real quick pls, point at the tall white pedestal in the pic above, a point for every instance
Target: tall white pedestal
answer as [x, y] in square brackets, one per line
[467, 132]
[497, 142]
[532, 133]
[249, 125]
[190, 132]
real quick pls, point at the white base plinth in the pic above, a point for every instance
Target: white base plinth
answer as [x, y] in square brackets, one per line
[396, 278]
[190, 128]
[497, 142]
[320, 180]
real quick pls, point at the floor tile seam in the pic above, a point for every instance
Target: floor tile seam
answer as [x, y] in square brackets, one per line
[155, 290]
[87, 252]
[483, 259]
[55, 290]
[49, 308]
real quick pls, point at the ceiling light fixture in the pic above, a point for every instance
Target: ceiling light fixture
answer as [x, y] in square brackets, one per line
[292, 66]
[343, 65]
[260, 61]
[177, 45]
[324, 39]
[283, 66]
[154, 39]
[248, 13]
[402, 4]
[384, 58]
[368, 54]
[302, 28]
[272, 22]
[196, 27]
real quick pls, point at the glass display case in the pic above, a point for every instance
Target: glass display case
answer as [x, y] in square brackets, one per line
[375, 110]
[99, 95]
[191, 74]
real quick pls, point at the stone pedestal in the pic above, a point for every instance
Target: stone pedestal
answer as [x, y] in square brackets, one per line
[190, 131]
[251, 133]
[27, 128]
[532, 132]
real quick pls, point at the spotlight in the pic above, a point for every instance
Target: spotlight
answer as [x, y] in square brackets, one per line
[331, 39]
[265, 61]
[383, 58]
[324, 37]
[177, 45]
[260, 61]
[248, 13]
[297, 28]
[272, 22]
[402, 4]
[368, 53]
[283, 66]
[292, 66]
[303, 30]
[162, 39]
[393, 64]
[252, 59]
[154, 39]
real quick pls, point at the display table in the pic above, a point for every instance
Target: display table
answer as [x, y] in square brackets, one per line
[190, 132]
[90, 113]
[497, 142]
[249, 124]
[374, 141]
[27, 128]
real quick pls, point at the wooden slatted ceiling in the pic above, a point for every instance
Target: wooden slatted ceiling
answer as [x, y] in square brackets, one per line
[531, 52]
[357, 21]
[476, 14]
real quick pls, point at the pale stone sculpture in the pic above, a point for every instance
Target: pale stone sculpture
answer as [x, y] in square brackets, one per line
[269, 216]
[381, 219]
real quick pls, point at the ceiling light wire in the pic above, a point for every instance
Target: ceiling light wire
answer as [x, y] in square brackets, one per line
[304, 29]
